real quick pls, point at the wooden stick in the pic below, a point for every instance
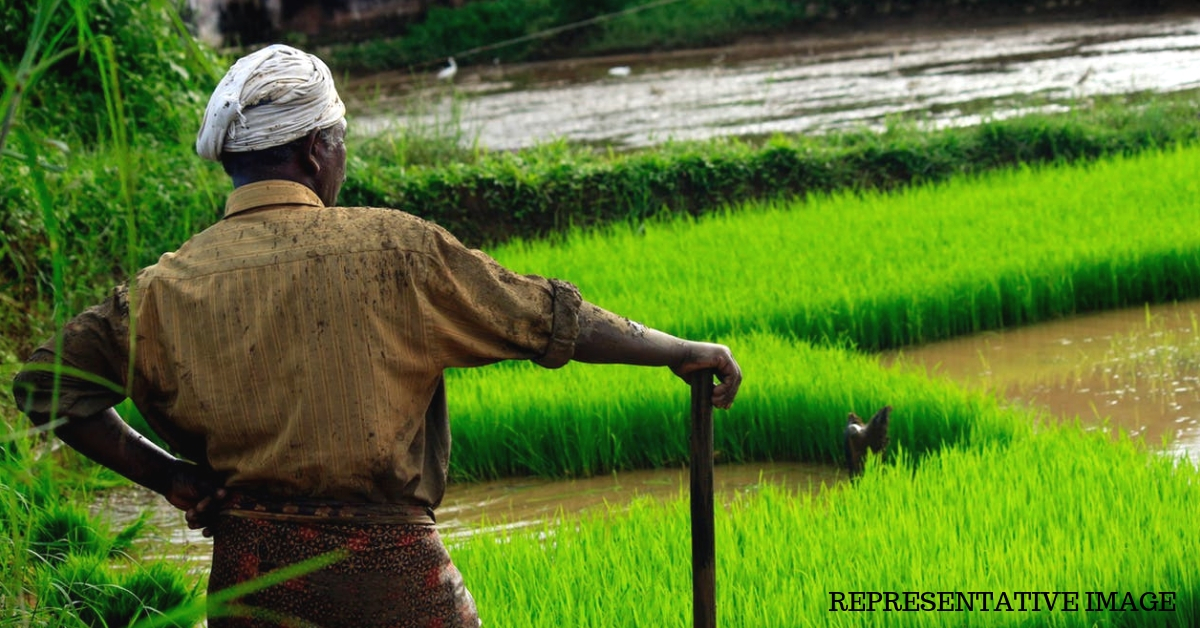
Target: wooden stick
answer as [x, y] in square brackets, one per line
[704, 577]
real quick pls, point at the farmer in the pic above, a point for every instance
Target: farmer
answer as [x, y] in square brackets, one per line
[293, 354]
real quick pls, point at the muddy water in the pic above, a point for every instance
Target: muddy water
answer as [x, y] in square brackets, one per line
[810, 84]
[494, 506]
[1136, 370]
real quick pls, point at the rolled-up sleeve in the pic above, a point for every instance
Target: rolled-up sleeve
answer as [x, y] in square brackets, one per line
[565, 328]
[88, 375]
[480, 312]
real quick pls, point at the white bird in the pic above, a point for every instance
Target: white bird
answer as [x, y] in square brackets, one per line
[449, 71]
[620, 70]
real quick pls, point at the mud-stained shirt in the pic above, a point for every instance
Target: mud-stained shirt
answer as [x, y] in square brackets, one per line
[300, 348]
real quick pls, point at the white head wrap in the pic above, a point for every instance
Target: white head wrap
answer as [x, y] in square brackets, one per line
[268, 98]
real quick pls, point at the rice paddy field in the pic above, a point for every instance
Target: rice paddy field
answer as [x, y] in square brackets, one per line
[983, 515]
[802, 290]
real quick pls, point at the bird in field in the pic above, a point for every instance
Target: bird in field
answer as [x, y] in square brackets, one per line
[448, 72]
[859, 438]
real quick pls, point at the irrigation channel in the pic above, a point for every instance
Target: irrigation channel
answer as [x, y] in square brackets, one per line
[938, 76]
[1137, 370]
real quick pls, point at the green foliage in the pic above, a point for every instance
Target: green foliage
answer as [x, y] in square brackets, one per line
[868, 270]
[882, 270]
[176, 194]
[60, 566]
[88, 588]
[64, 529]
[447, 31]
[695, 23]
[163, 75]
[101, 74]
[584, 420]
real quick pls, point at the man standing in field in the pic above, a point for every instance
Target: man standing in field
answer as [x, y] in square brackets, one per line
[294, 353]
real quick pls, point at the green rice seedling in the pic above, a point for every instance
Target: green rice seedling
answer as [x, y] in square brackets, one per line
[592, 419]
[155, 590]
[88, 589]
[63, 530]
[886, 270]
[1060, 511]
[935, 268]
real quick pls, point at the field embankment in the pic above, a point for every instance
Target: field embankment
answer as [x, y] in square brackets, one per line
[542, 191]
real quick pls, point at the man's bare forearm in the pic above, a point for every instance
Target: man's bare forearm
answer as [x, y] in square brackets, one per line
[107, 439]
[606, 338]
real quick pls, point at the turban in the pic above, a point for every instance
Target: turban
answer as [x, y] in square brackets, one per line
[268, 98]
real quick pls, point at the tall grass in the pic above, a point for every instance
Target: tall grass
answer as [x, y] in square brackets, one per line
[429, 132]
[1059, 511]
[59, 566]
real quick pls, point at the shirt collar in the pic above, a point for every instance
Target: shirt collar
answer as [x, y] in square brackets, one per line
[268, 193]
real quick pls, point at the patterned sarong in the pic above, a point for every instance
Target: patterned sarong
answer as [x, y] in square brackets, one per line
[390, 574]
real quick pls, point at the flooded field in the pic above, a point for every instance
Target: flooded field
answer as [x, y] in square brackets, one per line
[811, 84]
[1135, 370]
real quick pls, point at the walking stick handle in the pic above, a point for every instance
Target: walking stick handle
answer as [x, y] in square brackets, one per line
[704, 584]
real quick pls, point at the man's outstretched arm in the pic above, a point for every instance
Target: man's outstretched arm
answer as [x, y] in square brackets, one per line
[606, 338]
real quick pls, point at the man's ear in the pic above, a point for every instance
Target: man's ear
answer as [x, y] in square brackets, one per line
[313, 152]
